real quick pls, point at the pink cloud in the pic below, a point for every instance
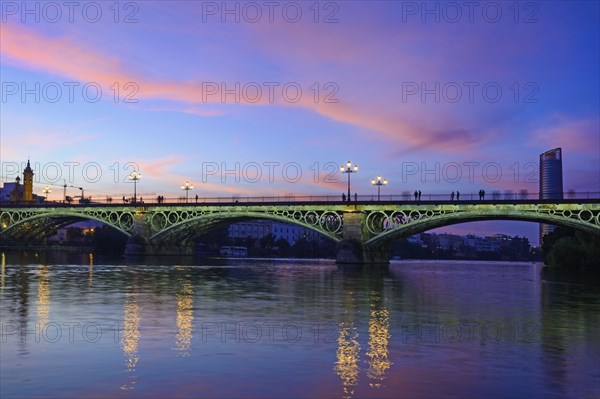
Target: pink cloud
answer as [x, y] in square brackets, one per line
[68, 57]
[197, 111]
[573, 135]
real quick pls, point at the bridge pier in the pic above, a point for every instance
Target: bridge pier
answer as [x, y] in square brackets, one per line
[139, 244]
[352, 250]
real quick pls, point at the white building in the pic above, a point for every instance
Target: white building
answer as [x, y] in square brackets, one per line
[258, 229]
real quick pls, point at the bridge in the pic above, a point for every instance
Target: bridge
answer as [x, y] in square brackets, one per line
[362, 229]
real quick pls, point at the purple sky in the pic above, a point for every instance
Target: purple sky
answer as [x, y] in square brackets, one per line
[440, 98]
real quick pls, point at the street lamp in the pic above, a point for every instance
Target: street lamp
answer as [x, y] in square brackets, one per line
[349, 168]
[187, 187]
[135, 176]
[379, 182]
[46, 191]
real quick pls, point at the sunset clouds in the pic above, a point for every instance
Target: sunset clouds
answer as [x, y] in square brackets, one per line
[378, 83]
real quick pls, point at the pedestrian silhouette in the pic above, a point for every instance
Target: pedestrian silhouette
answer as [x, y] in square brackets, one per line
[355, 197]
[452, 196]
[419, 195]
[416, 195]
[457, 195]
[343, 197]
[196, 198]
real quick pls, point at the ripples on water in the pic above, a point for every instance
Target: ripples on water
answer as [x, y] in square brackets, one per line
[83, 327]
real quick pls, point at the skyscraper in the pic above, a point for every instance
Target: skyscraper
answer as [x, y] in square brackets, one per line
[551, 182]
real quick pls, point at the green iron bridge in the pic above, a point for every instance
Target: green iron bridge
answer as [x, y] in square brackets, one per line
[362, 229]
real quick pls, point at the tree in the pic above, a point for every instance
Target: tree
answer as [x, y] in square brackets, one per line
[74, 234]
[284, 246]
[303, 249]
[250, 242]
[218, 235]
[567, 249]
[108, 240]
[267, 242]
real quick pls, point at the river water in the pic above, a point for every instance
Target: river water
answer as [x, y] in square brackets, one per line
[86, 328]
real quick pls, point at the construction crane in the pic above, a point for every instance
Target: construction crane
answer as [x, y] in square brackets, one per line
[64, 186]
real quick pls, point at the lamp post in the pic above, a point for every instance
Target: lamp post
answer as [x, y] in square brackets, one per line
[349, 169]
[46, 191]
[135, 176]
[379, 182]
[187, 187]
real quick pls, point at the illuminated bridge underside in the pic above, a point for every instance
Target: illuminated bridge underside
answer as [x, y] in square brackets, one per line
[185, 222]
[39, 222]
[383, 224]
[368, 223]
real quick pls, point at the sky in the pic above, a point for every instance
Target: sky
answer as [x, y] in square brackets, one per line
[269, 98]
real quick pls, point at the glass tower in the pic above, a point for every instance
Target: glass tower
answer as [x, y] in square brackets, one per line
[551, 181]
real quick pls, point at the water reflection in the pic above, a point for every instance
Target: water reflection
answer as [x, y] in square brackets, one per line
[348, 352]
[43, 297]
[2, 271]
[569, 316]
[185, 317]
[91, 270]
[371, 346]
[131, 337]
[379, 335]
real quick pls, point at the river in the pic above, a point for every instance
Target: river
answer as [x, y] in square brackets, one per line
[80, 327]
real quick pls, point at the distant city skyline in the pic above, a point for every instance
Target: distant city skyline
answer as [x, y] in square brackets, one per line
[239, 104]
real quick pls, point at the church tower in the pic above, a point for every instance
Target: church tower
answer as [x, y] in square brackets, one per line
[28, 183]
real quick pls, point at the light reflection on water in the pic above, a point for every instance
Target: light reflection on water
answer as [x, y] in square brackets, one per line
[43, 296]
[2, 270]
[379, 337]
[290, 329]
[131, 337]
[348, 354]
[185, 316]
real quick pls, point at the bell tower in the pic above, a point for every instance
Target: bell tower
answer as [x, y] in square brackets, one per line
[28, 183]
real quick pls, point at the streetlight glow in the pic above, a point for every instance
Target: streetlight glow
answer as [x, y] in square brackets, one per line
[46, 191]
[349, 169]
[187, 187]
[135, 176]
[379, 182]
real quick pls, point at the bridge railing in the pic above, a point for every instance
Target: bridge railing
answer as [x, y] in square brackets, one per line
[405, 197]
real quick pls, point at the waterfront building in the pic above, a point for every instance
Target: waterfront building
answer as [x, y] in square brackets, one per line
[551, 181]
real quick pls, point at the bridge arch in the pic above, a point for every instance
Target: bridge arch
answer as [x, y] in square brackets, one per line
[40, 221]
[327, 223]
[584, 220]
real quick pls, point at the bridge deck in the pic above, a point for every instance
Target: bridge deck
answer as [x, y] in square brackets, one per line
[257, 202]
